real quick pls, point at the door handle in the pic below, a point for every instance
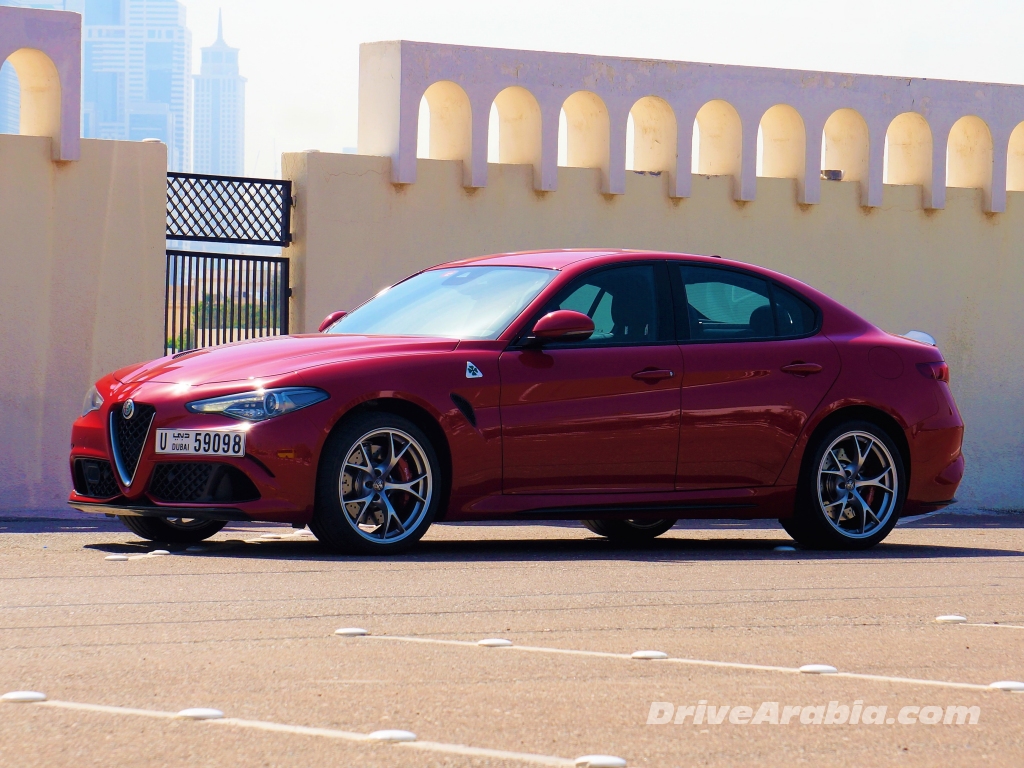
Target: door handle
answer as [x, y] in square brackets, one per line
[802, 369]
[653, 375]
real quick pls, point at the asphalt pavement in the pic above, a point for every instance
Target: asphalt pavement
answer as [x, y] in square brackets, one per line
[246, 625]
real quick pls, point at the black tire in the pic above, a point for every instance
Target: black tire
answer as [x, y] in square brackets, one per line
[171, 531]
[831, 480]
[355, 527]
[628, 531]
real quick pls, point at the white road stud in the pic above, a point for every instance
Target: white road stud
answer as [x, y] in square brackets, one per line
[785, 548]
[1011, 686]
[158, 552]
[351, 632]
[116, 558]
[600, 761]
[392, 735]
[649, 655]
[23, 697]
[200, 713]
[818, 669]
[495, 642]
[950, 619]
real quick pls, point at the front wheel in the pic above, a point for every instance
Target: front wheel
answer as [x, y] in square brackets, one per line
[628, 531]
[378, 488]
[851, 490]
[173, 530]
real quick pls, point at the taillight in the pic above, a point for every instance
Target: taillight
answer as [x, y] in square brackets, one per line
[938, 371]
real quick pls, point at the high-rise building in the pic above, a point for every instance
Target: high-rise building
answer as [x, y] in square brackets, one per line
[218, 144]
[136, 73]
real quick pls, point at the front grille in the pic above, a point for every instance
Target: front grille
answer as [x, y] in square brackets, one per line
[95, 479]
[128, 437]
[201, 482]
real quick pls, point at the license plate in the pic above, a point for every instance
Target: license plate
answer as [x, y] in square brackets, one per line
[200, 442]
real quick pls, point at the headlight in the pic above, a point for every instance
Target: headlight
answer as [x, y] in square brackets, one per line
[260, 405]
[93, 401]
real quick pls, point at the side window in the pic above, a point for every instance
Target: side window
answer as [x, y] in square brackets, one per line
[722, 305]
[793, 316]
[622, 302]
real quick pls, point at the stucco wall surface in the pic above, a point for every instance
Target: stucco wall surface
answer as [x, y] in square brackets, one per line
[81, 294]
[955, 273]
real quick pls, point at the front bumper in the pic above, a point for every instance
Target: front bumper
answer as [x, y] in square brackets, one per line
[280, 461]
[228, 514]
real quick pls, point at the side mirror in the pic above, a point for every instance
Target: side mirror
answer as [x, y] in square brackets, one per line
[331, 319]
[563, 325]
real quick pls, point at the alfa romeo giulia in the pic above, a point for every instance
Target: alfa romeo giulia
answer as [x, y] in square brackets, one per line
[626, 389]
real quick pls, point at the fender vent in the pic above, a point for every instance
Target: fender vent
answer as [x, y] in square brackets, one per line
[464, 408]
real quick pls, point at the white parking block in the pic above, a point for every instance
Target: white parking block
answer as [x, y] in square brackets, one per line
[23, 697]
[200, 713]
[649, 655]
[600, 761]
[495, 642]
[392, 735]
[818, 669]
[1012, 686]
[351, 632]
[951, 619]
[116, 558]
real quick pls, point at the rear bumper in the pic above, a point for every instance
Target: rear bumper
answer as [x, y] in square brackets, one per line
[145, 510]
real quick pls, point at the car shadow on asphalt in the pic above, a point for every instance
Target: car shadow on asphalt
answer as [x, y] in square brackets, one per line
[672, 548]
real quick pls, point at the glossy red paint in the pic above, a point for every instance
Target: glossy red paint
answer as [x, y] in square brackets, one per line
[674, 428]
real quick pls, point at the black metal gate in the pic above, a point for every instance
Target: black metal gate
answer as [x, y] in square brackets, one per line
[215, 298]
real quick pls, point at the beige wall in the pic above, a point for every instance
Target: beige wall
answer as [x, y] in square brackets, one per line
[81, 293]
[955, 273]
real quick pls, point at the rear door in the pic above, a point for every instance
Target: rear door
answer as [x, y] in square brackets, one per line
[602, 414]
[755, 369]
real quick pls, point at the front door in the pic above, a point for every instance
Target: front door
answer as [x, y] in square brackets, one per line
[754, 372]
[598, 415]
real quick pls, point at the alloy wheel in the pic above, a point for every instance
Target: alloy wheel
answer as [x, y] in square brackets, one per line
[385, 485]
[858, 486]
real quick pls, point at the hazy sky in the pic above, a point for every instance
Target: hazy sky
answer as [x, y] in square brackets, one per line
[301, 57]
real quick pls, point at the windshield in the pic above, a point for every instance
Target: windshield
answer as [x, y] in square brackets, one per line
[458, 303]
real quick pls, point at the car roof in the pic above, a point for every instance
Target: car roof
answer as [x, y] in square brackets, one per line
[564, 257]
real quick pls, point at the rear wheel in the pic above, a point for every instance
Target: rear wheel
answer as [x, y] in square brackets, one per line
[378, 489]
[173, 530]
[628, 531]
[851, 490]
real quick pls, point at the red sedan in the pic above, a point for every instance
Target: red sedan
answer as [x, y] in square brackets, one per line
[624, 388]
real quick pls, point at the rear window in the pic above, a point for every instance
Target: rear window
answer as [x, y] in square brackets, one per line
[793, 316]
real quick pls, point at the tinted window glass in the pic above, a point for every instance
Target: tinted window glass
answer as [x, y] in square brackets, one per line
[622, 302]
[456, 303]
[724, 305]
[793, 315]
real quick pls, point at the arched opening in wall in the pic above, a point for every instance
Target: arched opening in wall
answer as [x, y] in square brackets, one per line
[1015, 160]
[781, 143]
[969, 154]
[717, 140]
[844, 145]
[514, 129]
[652, 146]
[39, 93]
[445, 130]
[10, 99]
[908, 151]
[586, 129]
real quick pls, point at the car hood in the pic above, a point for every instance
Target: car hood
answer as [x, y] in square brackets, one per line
[275, 356]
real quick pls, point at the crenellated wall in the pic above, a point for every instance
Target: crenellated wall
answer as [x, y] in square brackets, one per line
[955, 273]
[725, 120]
